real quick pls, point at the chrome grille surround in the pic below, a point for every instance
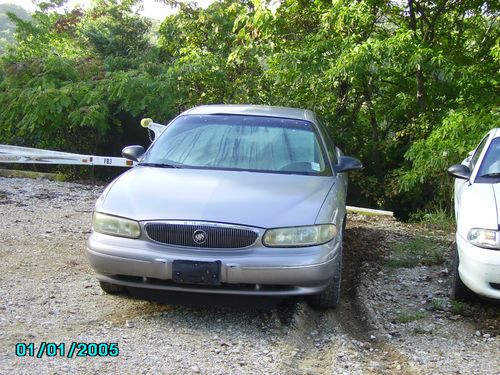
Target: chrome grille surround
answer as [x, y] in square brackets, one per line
[218, 235]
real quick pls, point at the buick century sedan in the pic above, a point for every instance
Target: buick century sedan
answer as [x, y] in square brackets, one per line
[477, 211]
[228, 199]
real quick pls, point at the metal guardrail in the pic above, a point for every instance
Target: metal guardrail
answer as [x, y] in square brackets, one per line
[369, 211]
[22, 155]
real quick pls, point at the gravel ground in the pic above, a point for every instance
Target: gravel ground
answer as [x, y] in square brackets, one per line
[391, 320]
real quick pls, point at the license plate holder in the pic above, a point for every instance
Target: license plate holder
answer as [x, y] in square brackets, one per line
[194, 272]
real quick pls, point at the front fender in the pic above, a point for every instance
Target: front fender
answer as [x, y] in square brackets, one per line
[476, 208]
[333, 209]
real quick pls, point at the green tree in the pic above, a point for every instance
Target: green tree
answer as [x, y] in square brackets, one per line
[409, 87]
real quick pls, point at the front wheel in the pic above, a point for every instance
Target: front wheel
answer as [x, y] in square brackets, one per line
[329, 298]
[460, 291]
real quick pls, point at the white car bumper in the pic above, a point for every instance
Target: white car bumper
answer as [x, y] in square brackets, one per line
[479, 268]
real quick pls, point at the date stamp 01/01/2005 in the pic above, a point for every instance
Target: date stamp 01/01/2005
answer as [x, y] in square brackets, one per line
[73, 350]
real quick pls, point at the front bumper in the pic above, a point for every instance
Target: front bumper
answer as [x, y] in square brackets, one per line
[256, 270]
[479, 268]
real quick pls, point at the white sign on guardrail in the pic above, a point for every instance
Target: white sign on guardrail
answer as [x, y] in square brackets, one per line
[16, 154]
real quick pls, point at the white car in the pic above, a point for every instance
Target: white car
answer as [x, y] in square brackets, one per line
[477, 212]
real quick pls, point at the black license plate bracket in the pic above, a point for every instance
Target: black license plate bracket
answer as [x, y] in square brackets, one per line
[194, 272]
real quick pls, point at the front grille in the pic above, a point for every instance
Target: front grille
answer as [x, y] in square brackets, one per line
[208, 236]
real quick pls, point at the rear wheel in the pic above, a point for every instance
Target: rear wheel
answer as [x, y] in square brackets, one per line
[112, 288]
[459, 290]
[330, 297]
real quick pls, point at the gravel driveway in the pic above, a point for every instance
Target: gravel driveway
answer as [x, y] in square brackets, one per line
[392, 319]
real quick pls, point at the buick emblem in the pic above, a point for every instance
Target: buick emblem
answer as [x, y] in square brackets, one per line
[199, 236]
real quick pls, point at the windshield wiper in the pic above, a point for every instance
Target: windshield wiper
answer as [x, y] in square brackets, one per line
[160, 165]
[495, 174]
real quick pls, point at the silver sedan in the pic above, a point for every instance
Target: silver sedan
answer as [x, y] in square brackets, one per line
[229, 199]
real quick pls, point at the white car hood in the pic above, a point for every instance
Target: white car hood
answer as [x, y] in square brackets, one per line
[479, 208]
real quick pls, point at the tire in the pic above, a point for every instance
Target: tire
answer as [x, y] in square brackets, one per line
[112, 288]
[460, 291]
[329, 298]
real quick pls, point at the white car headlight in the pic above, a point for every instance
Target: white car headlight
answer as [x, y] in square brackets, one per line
[487, 238]
[299, 236]
[115, 226]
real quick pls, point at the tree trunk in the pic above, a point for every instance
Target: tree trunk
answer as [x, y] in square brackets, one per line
[419, 73]
[374, 151]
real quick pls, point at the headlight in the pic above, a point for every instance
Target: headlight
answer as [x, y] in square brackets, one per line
[115, 226]
[299, 236]
[484, 238]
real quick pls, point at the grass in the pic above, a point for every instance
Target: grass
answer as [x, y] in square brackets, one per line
[410, 317]
[31, 174]
[416, 252]
[419, 331]
[457, 307]
[437, 219]
[438, 304]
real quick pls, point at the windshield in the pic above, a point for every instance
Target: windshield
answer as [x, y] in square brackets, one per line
[490, 166]
[235, 142]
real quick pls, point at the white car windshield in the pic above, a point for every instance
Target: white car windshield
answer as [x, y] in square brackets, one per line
[237, 142]
[490, 167]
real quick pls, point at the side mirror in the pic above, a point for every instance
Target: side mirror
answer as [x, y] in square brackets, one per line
[133, 152]
[459, 171]
[346, 164]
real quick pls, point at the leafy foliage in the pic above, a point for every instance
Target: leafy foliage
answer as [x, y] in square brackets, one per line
[409, 87]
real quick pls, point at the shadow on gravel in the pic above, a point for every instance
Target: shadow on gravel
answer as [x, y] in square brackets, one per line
[362, 246]
[208, 301]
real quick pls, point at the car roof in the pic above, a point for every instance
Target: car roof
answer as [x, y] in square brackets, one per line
[495, 132]
[252, 110]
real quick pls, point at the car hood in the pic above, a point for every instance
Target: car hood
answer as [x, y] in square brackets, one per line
[248, 198]
[479, 207]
